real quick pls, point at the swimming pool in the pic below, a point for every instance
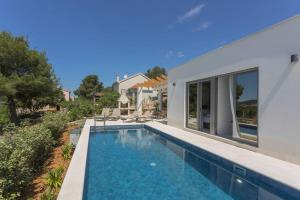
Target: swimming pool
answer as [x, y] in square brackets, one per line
[139, 162]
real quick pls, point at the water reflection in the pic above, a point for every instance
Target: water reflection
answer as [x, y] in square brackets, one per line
[246, 104]
[192, 121]
[139, 138]
[236, 187]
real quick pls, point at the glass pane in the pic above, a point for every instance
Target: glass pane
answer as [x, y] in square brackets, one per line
[205, 113]
[246, 104]
[192, 121]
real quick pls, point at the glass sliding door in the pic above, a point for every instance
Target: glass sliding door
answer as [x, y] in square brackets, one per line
[246, 93]
[205, 106]
[199, 106]
[237, 97]
[192, 106]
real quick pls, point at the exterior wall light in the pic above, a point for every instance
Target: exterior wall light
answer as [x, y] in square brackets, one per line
[174, 84]
[294, 58]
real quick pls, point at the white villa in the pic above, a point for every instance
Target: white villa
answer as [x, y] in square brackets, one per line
[245, 93]
[134, 98]
[233, 117]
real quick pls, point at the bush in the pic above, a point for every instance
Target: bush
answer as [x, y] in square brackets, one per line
[79, 108]
[54, 178]
[23, 152]
[75, 115]
[55, 122]
[4, 116]
[21, 156]
[48, 195]
[67, 151]
[110, 100]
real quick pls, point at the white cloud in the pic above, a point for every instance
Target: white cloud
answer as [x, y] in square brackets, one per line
[202, 26]
[178, 54]
[170, 54]
[191, 13]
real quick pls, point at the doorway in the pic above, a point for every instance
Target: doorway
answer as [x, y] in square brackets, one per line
[200, 105]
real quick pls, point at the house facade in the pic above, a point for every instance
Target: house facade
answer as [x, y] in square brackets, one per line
[67, 95]
[131, 98]
[128, 81]
[245, 93]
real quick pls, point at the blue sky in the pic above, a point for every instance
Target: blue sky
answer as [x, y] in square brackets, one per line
[116, 37]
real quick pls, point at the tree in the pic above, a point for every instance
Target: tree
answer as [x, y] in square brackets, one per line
[155, 72]
[4, 115]
[26, 77]
[88, 87]
[107, 89]
[239, 91]
[109, 99]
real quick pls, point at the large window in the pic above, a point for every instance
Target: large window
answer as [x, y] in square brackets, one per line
[192, 120]
[226, 106]
[246, 84]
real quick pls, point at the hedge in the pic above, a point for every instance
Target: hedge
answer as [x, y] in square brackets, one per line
[23, 152]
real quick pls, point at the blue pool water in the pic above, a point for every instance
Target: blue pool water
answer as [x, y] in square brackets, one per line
[139, 164]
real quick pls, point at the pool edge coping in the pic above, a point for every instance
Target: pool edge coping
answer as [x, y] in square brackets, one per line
[73, 184]
[253, 172]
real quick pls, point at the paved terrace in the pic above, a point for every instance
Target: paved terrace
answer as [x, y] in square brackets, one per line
[282, 171]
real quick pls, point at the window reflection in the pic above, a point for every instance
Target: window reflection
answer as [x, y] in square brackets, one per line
[192, 121]
[246, 104]
[205, 107]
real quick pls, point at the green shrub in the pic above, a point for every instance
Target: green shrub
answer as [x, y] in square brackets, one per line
[4, 116]
[23, 152]
[75, 115]
[55, 122]
[110, 100]
[79, 108]
[21, 155]
[54, 178]
[67, 151]
[48, 195]
[10, 128]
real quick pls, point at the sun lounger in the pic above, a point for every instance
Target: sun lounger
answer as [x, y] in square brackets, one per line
[147, 116]
[132, 117]
[104, 114]
[115, 114]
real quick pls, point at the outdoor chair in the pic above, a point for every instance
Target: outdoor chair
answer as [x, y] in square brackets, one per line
[147, 116]
[104, 114]
[132, 117]
[115, 114]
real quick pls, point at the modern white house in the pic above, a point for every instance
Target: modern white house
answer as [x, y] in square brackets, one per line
[246, 93]
[133, 98]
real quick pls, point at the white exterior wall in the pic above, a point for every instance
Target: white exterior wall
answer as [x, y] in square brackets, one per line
[141, 96]
[66, 94]
[279, 84]
[139, 103]
[126, 84]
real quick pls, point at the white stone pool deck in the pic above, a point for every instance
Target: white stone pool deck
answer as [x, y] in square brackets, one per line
[281, 171]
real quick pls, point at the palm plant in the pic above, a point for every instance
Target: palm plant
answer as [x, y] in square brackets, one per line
[47, 195]
[54, 178]
[67, 151]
